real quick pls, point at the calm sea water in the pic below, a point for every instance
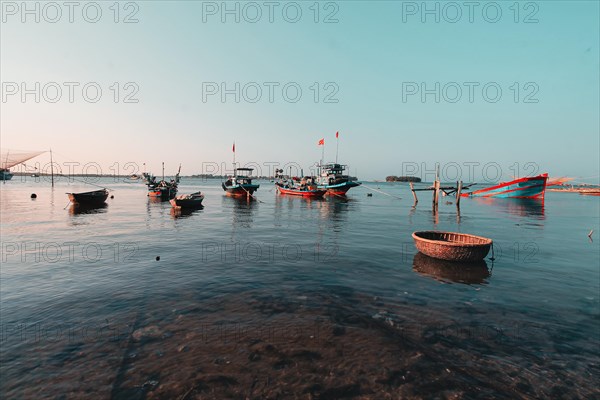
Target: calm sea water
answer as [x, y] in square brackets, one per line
[87, 310]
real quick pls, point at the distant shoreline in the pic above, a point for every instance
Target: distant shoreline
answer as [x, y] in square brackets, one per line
[393, 178]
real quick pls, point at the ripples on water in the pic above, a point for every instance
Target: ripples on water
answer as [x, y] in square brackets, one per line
[287, 296]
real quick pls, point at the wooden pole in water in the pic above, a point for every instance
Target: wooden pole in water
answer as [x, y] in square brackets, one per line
[436, 190]
[458, 190]
[51, 168]
[412, 189]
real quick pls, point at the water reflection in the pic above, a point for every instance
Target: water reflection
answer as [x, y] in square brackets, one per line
[448, 271]
[530, 208]
[243, 210]
[178, 212]
[78, 209]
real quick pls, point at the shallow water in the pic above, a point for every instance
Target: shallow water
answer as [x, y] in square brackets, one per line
[290, 296]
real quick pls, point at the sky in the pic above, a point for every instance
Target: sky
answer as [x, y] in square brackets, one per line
[492, 89]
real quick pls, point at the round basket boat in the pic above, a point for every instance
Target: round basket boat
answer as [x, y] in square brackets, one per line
[452, 246]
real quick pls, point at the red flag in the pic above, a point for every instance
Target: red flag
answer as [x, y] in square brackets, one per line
[321, 142]
[233, 147]
[337, 135]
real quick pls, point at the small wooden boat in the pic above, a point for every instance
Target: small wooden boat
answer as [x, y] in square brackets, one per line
[97, 197]
[532, 187]
[189, 201]
[452, 246]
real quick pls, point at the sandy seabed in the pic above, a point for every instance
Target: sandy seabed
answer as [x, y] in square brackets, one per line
[307, 346]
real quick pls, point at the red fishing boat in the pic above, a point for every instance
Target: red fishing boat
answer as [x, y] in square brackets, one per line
[532, 187]
[305, 187]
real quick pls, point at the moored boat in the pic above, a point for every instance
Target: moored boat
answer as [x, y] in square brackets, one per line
[532, 187]
[5, 175]
[189, 201]
[305, 187]
[452, 246]
[93, 198]
[240, 184]
[333, 180]
[162, 189]
[9, 159]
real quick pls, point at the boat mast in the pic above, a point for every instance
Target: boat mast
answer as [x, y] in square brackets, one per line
[337, 145]
[51, 168]
[234, 169]
[5, 170]
[163, 170]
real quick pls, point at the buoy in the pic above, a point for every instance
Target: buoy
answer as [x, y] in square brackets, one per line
[33, 196]
[157, 258]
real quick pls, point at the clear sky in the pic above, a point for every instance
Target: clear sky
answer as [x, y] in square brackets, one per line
[373, 57]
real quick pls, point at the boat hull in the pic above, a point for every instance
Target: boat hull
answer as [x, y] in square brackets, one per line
[162, 193]
[524, 188]
[240, 190]
[303, 193]
[189, 203]
[340, 189]
[5, 175]
[95, 198]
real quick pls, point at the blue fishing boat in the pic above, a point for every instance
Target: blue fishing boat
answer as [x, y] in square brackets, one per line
[333, 180]
[240, 184]
[532, 187]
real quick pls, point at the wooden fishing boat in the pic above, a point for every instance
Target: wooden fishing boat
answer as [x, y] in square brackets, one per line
[304, 187]
[452, 246]
[314, 193]
[532, 187]
[333, 180]
[190, 201]
[240, 184]
[96, 197]
[162, 189]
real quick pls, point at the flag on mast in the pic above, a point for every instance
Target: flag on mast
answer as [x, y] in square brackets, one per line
[337, 145]
[321, 142]
[233, 149]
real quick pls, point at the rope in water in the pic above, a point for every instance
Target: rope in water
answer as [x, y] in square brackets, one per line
[382, 192]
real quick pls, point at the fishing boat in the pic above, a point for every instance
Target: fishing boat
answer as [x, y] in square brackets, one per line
[452, 246]
[333, 180]
[240, 183]
[9, 159]
[189, 201]
[94, 198]
[5, 175]
[162, 189]
[532, 187]
[305, 187]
